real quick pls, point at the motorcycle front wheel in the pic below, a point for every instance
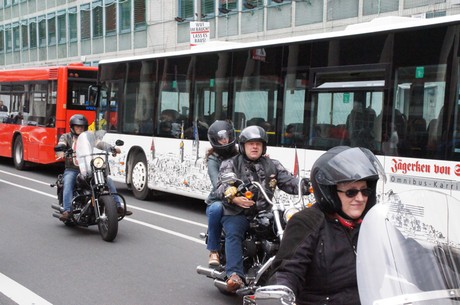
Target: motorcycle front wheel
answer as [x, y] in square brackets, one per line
[108, 221]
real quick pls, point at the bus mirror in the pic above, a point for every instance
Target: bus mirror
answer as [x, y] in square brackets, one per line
[119, 143]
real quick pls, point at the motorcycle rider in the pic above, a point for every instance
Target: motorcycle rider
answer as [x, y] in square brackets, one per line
[254, 165]
[78, 124]
[221, 135]
[317, 256]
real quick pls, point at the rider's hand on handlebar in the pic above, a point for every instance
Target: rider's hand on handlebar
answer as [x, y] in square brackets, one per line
[243, 202]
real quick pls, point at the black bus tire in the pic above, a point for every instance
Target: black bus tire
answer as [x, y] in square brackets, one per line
[18, 154]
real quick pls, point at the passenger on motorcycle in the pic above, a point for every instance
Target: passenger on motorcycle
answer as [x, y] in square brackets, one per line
[221, 135]
[250, 165]
[78, 124]
[317, 256]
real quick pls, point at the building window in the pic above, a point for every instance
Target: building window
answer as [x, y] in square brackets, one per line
[371, 7]
[2, 42]
[207, 8]
[97, 19]
[139, 15]
[186, 8]
[51, 29]
[16, 36]
[85, 22]
[125, 16]
[33, 32]
[25, 35]
[228, 5]
[8, 39]
[337, 10]
[42, 31]
[110, 17]
[72, 26]
[61, 27]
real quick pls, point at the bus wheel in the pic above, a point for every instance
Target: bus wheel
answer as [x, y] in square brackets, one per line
[18, 154]
[139, 177]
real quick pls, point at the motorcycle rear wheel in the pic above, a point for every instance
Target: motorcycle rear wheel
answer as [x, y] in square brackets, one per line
[108, 223]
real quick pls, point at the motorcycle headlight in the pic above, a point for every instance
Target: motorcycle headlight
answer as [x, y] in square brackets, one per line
[289, 213]
[98, 163]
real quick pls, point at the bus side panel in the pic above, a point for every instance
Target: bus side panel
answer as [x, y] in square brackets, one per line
[39, 144]
[6, 137]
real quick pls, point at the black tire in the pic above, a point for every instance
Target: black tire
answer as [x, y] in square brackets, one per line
[18, 154]
[140, 177]
[108, 222]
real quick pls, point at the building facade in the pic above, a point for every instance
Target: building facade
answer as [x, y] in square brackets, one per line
[53, 32]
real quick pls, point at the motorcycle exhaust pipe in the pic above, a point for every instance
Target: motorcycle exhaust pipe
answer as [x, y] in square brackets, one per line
[212, 273]
[221, 285]
[56, 214]
[57, 207]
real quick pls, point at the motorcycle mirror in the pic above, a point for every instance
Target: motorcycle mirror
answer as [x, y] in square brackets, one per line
[229, 178]
[119, 143]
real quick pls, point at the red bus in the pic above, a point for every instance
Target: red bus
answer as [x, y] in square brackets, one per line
[39, 103]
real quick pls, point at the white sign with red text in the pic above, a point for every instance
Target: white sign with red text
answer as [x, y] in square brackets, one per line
[199, 32]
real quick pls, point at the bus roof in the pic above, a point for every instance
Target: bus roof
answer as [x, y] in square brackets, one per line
[38, 73]
[381, 24]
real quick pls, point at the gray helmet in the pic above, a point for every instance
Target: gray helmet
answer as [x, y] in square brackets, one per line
[344, 164]
[220, 130]
[78, 119]
[253, 133]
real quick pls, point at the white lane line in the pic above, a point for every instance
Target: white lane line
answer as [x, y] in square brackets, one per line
[169, 216]
[26, 178]
[19, 293]
[28, 188]
[199, 241]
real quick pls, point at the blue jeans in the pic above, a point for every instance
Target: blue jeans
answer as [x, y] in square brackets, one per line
[70, 176]
[214, 212]
[235, 227]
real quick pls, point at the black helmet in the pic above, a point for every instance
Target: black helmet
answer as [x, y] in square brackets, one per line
[222, 130]
[253, 133]
[344, 164]
[78, 119]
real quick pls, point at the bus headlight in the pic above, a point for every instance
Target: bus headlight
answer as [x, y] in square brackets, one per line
[98, 163]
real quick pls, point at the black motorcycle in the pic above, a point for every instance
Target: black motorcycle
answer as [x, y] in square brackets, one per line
[92, 202]
[262, 239]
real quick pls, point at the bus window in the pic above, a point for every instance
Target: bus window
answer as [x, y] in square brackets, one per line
[418, 108]
[293, 134]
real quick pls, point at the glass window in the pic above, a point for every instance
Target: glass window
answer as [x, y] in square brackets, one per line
[252, 4]
[2, 41]
[418, 111]
[110, 17]
[225, 5]
[42, 31]
[51, 29]
[97, 19]
[72, 26]
[185, 9]
[139, 15]
[24, 35]
[371, 7]
[62, 27]
[16, 36]
[207, 8]
[125, 16]
[342, 9]
[33, 32]
[85, 22]
[8, 38]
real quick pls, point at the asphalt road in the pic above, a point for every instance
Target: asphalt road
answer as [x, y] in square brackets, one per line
[152, 260]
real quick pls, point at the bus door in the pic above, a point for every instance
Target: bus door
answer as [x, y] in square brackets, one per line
[347, 107]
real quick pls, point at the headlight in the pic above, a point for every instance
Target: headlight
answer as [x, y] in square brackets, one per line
[98, 163]
[289, 213]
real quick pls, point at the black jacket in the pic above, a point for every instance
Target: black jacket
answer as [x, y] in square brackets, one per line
[317, 259]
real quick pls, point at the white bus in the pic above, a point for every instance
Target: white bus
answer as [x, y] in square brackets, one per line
[391, 85]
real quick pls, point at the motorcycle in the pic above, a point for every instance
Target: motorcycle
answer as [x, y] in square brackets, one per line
[262, 239]
[92, 201]
[408, 253]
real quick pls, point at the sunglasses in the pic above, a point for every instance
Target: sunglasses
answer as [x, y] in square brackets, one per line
[353, 192]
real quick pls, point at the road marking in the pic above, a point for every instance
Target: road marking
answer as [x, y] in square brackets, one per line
[24, 177]
[199, 241]
[168, 216]
[28, 188]
[19, 293]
